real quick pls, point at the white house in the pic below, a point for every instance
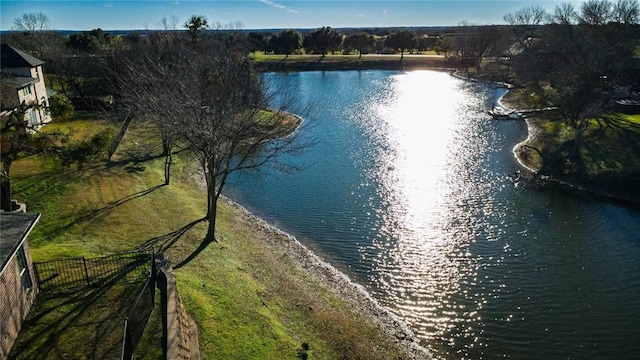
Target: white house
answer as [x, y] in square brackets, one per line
[22, 83]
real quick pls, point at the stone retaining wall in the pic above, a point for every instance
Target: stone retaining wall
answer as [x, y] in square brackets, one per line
[181, 332]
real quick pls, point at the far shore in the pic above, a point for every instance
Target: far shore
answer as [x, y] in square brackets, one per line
[571, 185]
[278, 63]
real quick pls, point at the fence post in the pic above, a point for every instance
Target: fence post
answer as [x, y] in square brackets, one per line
[35, 268]
[86, 273]
[154, 275]
[127, 348]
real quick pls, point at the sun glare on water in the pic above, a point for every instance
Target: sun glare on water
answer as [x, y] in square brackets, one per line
[423, 258]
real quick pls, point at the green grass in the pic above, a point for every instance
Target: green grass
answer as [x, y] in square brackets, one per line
[608, 146]
[261, 57]
[150, 345]
[633, 118]
[249, 300]
[341, 62]
[608, 160]
[77, 324]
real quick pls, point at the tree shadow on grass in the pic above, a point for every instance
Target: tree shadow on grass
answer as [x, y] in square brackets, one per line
[203, 245]
[84, 322]
[39, 185]
[163, 242]
[615, 144]
[133, 162]
[42, 185]
[94, 215]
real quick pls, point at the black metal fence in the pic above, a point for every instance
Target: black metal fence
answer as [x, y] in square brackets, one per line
[126, 267]
[136, 321]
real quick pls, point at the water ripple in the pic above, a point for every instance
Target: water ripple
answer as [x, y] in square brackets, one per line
[411, 194]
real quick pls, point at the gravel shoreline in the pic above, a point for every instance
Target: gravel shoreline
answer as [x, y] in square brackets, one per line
[354, 294]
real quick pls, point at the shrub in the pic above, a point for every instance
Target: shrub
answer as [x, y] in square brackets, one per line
[61, 107]
[81, 152]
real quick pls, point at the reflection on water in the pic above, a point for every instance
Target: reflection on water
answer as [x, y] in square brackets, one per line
[408, 190]
[425, 225]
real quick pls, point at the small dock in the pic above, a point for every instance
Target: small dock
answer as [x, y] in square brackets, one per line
[500, 113]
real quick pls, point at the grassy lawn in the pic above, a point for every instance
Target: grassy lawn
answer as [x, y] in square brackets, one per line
[260, 57]
[249, 299]
[342, 62]
[608, 146]
[608, 164]
[150, 345]
[633, 118]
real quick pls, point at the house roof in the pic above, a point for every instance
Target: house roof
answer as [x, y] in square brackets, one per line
[11, 57]
[14, 229]
[17, 81]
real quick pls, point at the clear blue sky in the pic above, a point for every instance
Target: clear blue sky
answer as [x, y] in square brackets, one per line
[265, 14]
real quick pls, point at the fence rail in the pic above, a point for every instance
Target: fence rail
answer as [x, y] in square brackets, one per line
[136, 321]
[118, 268]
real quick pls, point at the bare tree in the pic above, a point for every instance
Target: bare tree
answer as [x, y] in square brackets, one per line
[164, 24]
[209, 99]
[169, 24]
[595, 12]
[564, 14]
[473, 42]
[33, 35]
[528, 16]
[32, 22]
[524, 25]
[626, 12]
[230, 26]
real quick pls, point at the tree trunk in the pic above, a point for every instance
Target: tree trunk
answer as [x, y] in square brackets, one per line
[212, 200]
[5, 186]
[5, 193]
[167, 168]
[167, 142]
[211, 216]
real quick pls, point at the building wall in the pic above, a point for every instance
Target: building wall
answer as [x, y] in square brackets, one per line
[38, 93]
[41, 94]
[15, 303]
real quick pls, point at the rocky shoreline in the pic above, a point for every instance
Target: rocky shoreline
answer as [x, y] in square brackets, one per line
[339, 283]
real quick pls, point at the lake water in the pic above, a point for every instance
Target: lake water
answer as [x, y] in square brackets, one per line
[408, 189]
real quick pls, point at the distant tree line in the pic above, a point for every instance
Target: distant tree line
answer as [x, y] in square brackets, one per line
[325, 40]
[570, 58]
[575, 59]
[197, 87]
